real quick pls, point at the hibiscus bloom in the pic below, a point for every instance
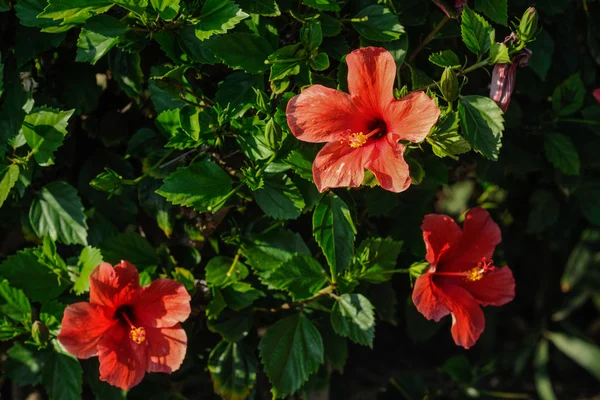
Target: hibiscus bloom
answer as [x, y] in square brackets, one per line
[462, 275]
[132, 329]
[362, 129]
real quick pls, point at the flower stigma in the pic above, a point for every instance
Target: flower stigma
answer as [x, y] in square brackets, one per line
[136, 334]
[357, 139]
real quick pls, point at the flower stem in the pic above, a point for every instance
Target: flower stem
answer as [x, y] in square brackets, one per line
[233, 264]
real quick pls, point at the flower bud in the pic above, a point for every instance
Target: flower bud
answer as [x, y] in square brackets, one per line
[596, 94]
[40, 333]
[503, 79]
[528, 26]
[449, 85]
[273, 134]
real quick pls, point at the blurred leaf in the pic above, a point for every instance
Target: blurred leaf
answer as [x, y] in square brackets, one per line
[561, 153]
[584, 353]
[301, 276]
[239, 295]
[62, 376]
[280, 198]
[323, 5]
[419, 329]
[98, 36]
[482, 124]
[352, 316]
[477, 34]
[543, 48]
[378, 255]
[496, 10]
[51, 314]
[459, 369]
[231, 325]
[380, 24]
[291, 350]
[588, 196]
[242, 51]
[132, 247]
[584, 254]
[568, 97]
[232, 369]
[334, 231]
[545, 211]
[24, 365]
[127, 71]
[222, 271]
[89, 259]
[336, 346]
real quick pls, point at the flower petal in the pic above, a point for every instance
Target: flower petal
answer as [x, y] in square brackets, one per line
[166, 348]
[320, 114]
[596, 94]
[495, 288]
[83, 325]
[411, 117]
[468, 321]
[480, 236]
[162, 304]
[339, 165]
[440, 234]
[387, 163]
[429, 299]
[371, 76]
[112, 287]
[123, 363]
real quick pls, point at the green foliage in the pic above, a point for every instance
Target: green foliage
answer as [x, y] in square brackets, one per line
[233, 370]
[482, 124]
[477, 34]
[352, 316]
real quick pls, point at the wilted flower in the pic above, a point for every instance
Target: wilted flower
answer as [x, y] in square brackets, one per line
[362, 129]
[132, 329]
[462, 275]
[503, 78]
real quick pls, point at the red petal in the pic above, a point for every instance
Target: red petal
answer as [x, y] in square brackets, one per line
[480, 236]
[320, 114]
[162, 304]
[371, 75]
[428, 298]
[83, 325]
[166, 349]
[387, 163]
[495, 288]
[468, 321]
[411, 117]
[123, 363]
[112, 287]
[596, 94]
[440, 234]
[339, 165]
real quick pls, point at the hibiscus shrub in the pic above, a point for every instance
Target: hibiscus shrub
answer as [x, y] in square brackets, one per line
[345, 199]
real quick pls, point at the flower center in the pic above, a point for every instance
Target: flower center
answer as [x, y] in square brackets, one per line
[483, 267]
[358, 139]
[136, 333]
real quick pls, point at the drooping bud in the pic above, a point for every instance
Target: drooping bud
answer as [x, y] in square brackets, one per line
[528, 27]
[449, 85]
[40, 333]
[503, 79]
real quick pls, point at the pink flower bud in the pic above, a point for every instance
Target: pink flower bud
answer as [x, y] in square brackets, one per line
[503, 79]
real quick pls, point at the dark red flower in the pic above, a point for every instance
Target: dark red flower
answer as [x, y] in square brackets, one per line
[596, 94]
[504, 76]
[462, 275]
[362, 128]
[132, 329]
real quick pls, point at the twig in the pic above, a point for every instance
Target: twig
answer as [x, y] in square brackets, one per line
[428, 38]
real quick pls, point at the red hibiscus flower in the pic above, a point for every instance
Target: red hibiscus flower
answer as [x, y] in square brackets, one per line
[596, 94]
[462, 275]
[132, 329]
[362, 129]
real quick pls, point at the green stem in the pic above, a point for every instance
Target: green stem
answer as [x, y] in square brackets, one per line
[287, 306]
[428, 38]
[233, 264]
[505, 395]
[579, 121]
[465, 71]
[286, 60]
[361, 19]
[133, 182]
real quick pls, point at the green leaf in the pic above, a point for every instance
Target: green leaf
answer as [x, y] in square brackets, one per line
[286, 61]
[231, 325]
[499, 54]
[477, 33]
[378, 255]
[445, 58]
[545, 210]
[39, 280]
[353, 316]
[44, 130]
[267, 8]
[496, 10]
[237, 92]
[336, 346]
[89, 259]
[132, 247]
[222, 271]
[588, 196]
[444, 138]
[323, 5]
[8, 178]
[561, 152]
[203, 186]
[24, 364]
[218, 16]
[568, 97]
[543, 384]
[311, 35]
[13, 303]
[543, 48]
[216, 304]
[320, 62]
[156, 206]
[380, 25]
[167, 9]
[232, 369]
[57, 212]
[242, 51]
[584, 353]
[51, 314]
[240, 295]
[582, 257]
[98, 36]
[136, 6]
[62, 377]
[301, 161]
[302, 277]
[334, 231]
[280, 198]
[482, 124]
[291, 350]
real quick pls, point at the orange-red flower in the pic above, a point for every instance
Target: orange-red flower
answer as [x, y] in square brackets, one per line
[132, 329]
[462, 275]
[362, 129]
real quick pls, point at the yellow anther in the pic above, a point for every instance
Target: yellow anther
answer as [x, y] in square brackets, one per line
[357, 139]
[475, 274]
[138, 335]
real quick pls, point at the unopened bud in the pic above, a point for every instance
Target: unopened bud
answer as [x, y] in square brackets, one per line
[503, 79]
[449, 85]
[273, 134]
[528, 26]
[40, 333]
